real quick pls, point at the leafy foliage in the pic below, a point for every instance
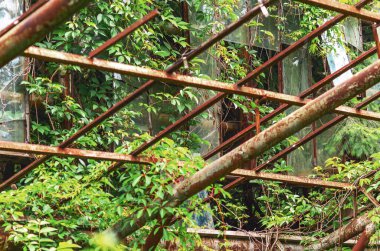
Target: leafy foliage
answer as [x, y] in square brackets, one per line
[63, 202]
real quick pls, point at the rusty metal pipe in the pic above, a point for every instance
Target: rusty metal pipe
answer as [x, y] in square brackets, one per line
[365, 237]
[289, 179]
[302, 117]
[71, 152]
[35, 26]
[124, 33]
[24, 15]
[339, 236]
[344, 9]
[181, 80]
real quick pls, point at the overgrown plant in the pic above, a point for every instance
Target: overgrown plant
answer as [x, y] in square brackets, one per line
[65, 201]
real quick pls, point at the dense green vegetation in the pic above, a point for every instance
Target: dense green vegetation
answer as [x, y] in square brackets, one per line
[63, 203]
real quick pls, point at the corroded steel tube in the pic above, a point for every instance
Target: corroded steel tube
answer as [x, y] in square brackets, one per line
[34, 27]
[71, 152]
[344, 9]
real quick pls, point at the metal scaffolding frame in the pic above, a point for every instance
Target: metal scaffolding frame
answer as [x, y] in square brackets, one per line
[16, 39]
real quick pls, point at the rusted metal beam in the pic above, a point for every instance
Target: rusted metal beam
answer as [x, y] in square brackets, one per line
[294, 180]
[253, 74]
[313, 134]
[35, 26]
[370, 196]
[365, 237]
[364, 2]
[71, 152]
[119, 105]
[27, 13]
[283, 107]
[124, 33]
[344, 9]
[182, 80]
[263, 141]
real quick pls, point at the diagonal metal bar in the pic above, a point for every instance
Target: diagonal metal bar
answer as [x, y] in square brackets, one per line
[71, 152]
[35, 26]
[283, 107]
[263, 141]
[119, 105]
[250, 76]
[313, 134]
[124, 33]
[369, 196]
[344, 9]
[364, 2]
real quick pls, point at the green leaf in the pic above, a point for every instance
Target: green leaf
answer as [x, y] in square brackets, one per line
[136, 180]
[67, 246]
[162, 53]
[48, 230]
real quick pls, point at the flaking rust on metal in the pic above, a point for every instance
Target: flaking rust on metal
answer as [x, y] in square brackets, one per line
[181, 80]
[35, 26]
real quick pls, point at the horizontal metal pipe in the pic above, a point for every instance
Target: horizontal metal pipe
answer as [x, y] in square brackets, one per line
[182, 80]
[294, 180]
[71, 152]
[35, 26]
[344, 9]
